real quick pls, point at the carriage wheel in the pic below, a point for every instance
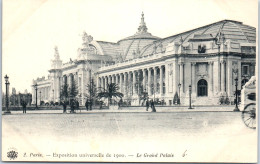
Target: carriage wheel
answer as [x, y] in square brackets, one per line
[249, 115]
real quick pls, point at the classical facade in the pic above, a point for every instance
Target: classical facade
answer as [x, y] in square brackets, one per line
[203, 62]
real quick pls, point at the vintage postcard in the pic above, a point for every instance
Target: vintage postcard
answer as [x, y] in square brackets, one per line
[129, 80]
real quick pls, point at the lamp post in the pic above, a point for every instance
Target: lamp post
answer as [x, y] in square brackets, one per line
[190, 96]
[53, 95]
[179, 85]
[35, 86]
[7, 102]
[236, 108]
[40, 97]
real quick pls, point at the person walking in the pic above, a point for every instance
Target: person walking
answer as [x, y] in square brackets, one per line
[72, 106]
[24, 106]
[90, 104]
[77, 104]
[152, 106]
[64, 104]
[147, 104]
[101, 103]
[120, 103]
[86, 104]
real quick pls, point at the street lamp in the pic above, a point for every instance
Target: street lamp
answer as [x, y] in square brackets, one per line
[40, 97]
[179, 85]
[7, 102]
[53, 95]
[190, 96]
[35, 86]
[236, 108]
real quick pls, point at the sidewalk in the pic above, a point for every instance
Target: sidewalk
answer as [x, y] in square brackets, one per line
[159, 109]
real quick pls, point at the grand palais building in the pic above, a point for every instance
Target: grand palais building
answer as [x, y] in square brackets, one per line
[204, 61]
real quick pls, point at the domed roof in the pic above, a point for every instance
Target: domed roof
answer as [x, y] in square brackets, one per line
[233, 30]
[132, 46]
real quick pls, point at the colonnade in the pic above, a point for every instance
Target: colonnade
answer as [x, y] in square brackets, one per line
[134, 82]
[44, 93]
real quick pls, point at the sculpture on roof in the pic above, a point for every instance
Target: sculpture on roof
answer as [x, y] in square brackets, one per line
[86, 48]
[86, 38]
[56, 53]
[56, 62]
[142, 27]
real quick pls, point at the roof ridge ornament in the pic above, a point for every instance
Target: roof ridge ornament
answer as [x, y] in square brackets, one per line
[142, 27]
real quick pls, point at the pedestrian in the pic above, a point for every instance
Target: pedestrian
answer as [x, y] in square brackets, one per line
[72, 106]
[147, 105]
[101, 103]
[120, 103]
[86, 104]
[64, 104]
[90, 104]
[24, 106]
[77, 104]
[152, 106]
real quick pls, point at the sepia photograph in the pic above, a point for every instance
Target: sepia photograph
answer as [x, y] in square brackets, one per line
[129, 81]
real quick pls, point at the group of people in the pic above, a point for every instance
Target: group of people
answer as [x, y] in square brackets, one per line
[88, 104]
[150, 104]
[74, 104]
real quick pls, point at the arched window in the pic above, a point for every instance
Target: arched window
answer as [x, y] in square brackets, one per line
[202, 88]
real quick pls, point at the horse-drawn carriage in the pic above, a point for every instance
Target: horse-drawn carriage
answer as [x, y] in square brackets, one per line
[248, 103]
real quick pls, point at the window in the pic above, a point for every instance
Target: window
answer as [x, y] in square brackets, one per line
[201, 48]
[245, 70]
[202, 88]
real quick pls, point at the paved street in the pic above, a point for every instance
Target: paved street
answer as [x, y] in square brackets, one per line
[205, 135]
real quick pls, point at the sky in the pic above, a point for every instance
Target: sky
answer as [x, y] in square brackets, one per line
[31, 28]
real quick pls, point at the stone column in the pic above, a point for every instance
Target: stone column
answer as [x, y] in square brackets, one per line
[239, 75]
[154, 79]
[219, 75]
[223, 72]
[59, 89]
[144, 80]
[82, 75]
[130, 83]
[138, 81]
[125, 83]
[112, 79]
[116, 79]
[109, 79]
[134, 82]
[193, 78]
[253, 69]
[211, 77]
[99, 82]
[166, 72]
[161, 80]
[121, 82]
[181, 77]
[149, 81]
[106, 81]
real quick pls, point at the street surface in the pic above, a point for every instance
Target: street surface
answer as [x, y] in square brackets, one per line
[201, 136]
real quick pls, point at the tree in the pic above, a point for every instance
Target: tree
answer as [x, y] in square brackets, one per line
[65, 92]
[73, 90]
[92, 91]
[110, 92]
